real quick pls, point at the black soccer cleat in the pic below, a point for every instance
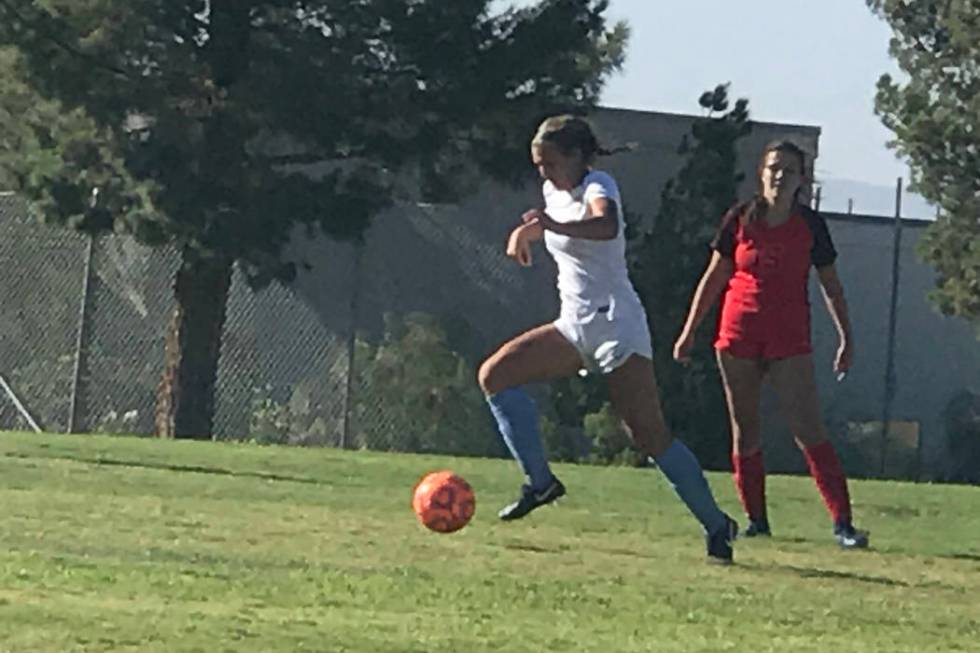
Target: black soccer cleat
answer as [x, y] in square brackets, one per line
[720, 542]
[531, 499]
[758, 528]
[849, 537]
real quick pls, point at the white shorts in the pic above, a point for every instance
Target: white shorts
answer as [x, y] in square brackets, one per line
[607, 336]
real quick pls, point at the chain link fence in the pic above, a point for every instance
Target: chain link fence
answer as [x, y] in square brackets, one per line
[42, 273]
[374, 345]
[127, 304]
[282, 375]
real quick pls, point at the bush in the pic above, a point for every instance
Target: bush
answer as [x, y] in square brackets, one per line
[414, 393]
[270, 421]
[611, 445]
[962, 419]
[562, 443]
[411, 392]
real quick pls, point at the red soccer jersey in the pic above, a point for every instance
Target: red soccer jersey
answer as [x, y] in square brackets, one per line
[766, 310]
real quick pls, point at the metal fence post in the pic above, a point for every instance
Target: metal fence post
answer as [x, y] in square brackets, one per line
[355, 292]
[81, 341]
[892, 319]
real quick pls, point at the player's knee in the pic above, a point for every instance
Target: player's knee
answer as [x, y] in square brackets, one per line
[745, 444]
[810, 437]
[807, 428]
[488, 376]
[658, 443]
[649, 435]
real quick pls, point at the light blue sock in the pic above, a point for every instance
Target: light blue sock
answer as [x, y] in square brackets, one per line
[684, 472]
[517, 419]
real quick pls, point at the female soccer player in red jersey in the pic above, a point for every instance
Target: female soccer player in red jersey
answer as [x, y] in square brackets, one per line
[762, 256]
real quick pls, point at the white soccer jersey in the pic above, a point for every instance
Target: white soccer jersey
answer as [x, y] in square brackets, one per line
[590, 272]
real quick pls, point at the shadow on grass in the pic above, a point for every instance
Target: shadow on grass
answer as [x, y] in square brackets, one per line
[564, 548]
[805, 572]
[186, 469]
[533, 548]
[970, 557]
[813, 572]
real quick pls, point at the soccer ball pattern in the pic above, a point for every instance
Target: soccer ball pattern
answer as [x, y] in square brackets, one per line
[444, 502]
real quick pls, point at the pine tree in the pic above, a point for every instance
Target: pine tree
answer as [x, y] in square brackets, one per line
[667, 262]
[935, 116]
[190, 118]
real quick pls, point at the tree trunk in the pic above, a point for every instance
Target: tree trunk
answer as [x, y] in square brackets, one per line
[185, 396]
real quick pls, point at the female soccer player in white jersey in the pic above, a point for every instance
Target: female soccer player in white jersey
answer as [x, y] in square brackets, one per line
[602, 325]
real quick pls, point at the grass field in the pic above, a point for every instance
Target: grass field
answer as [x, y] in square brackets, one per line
[119, 544]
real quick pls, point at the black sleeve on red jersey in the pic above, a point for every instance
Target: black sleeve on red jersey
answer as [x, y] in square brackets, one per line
[823, 252]
[724, 240]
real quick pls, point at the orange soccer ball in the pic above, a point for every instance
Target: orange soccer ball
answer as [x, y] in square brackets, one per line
[444, 501]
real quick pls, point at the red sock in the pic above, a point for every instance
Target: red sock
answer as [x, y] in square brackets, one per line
[826, 471]
[750, 481]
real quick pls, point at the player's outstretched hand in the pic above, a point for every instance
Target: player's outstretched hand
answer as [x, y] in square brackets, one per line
[519, 246]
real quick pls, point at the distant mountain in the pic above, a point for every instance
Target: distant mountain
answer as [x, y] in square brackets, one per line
[871, 199]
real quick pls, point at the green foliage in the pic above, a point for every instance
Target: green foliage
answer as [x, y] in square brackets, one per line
[303, 414]
[667, 262]
[115, 423]
[562, 443]
[579, 425]
[412, 392]
[572, 398]
[226, 129]
[962, 419]
[270, 421]
[611, 444]
[194, 119]
[935, 115]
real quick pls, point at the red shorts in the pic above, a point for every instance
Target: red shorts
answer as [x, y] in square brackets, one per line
[773, 349]
[765, 338]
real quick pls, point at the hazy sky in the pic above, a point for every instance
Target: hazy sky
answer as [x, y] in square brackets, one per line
[798, 62]
[812, 63]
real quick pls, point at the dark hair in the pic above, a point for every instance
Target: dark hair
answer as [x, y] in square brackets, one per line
[570, 134]
[757, 207]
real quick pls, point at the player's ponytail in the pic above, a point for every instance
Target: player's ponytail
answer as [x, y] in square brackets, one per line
[573, 133]
[628, 147]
